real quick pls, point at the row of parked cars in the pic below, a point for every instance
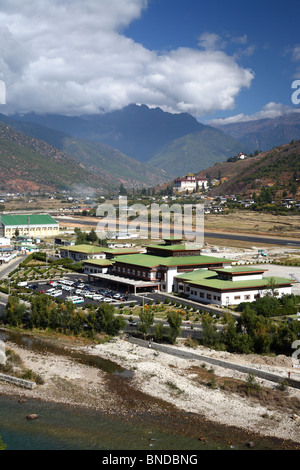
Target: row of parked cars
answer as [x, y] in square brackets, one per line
[79, 292]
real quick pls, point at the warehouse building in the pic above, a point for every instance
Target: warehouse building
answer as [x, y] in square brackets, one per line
[34, 225]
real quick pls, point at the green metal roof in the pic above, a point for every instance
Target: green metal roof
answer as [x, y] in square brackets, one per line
[174, 247]
[33, 219]
[100, 262]
[142, 260]
[88, 249]
[149, 261]
[241, 269]
[210, 279]
[116, 251]
[196, 275]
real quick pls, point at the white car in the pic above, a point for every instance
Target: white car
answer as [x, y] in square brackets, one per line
[88, 295]
[57, 293]
[50, 291]
[54, 284]
[79, 292]
[98, 297]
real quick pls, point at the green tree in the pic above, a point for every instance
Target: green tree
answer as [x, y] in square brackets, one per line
[158, 332]
[106, 320]
[92, 236]
[122, 190]
[266, 306]
[175, 321]
[272, 286]
[209, 331]
[147, 319]
[14, 311]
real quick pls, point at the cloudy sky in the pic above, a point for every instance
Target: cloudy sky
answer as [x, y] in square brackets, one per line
[212, 58]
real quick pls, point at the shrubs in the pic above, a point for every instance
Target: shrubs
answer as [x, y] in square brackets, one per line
[62, 317]
[250, 333]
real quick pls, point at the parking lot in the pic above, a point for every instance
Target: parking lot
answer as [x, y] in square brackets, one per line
[79, 291]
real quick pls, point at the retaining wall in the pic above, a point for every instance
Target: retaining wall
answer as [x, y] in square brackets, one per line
[217, 362]
[19, 382]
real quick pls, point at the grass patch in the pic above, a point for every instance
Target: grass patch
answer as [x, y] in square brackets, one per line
[273, 399]
[173, 387]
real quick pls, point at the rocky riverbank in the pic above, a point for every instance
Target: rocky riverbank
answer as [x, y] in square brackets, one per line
[184, 394]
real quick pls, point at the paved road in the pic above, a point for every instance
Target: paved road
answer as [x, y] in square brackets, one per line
[5, 269]
[253, 239]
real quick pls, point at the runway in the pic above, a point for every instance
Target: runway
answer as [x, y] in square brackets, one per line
[217, 235]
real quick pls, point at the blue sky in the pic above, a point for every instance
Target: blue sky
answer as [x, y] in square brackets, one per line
[264, 35]
[214, 59]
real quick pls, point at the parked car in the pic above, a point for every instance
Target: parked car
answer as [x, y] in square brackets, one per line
[34, 286]
[97, 297]
[57, 293]
[22, 284]
[50, 291]
[78, 300]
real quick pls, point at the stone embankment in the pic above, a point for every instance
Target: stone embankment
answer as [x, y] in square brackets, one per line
[18, 382]
[217, 362]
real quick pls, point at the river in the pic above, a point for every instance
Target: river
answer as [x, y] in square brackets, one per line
[62, 427]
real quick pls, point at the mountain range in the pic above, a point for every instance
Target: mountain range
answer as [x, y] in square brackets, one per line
[265, 134]
[104, 167]
[169, 143]
[136, 146]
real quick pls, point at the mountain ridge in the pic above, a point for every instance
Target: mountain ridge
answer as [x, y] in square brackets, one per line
[264, 134]
[148, 135]
[31, 165]
[276, 169]
[97, 158]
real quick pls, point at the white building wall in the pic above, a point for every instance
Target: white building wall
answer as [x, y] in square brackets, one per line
[169, 278]
[249, 277]
[249, 296]
[206, 296]
[4, 242]
[95, 269]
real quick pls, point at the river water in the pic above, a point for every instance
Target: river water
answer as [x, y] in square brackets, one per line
[68, 428]
[71, 428]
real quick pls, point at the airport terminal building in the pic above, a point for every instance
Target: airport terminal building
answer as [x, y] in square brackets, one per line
[181, 269]
[155, 269]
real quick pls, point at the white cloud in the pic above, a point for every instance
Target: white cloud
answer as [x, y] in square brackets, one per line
[211, 41]
[269, 111]
[296, 53]
[73, 57]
